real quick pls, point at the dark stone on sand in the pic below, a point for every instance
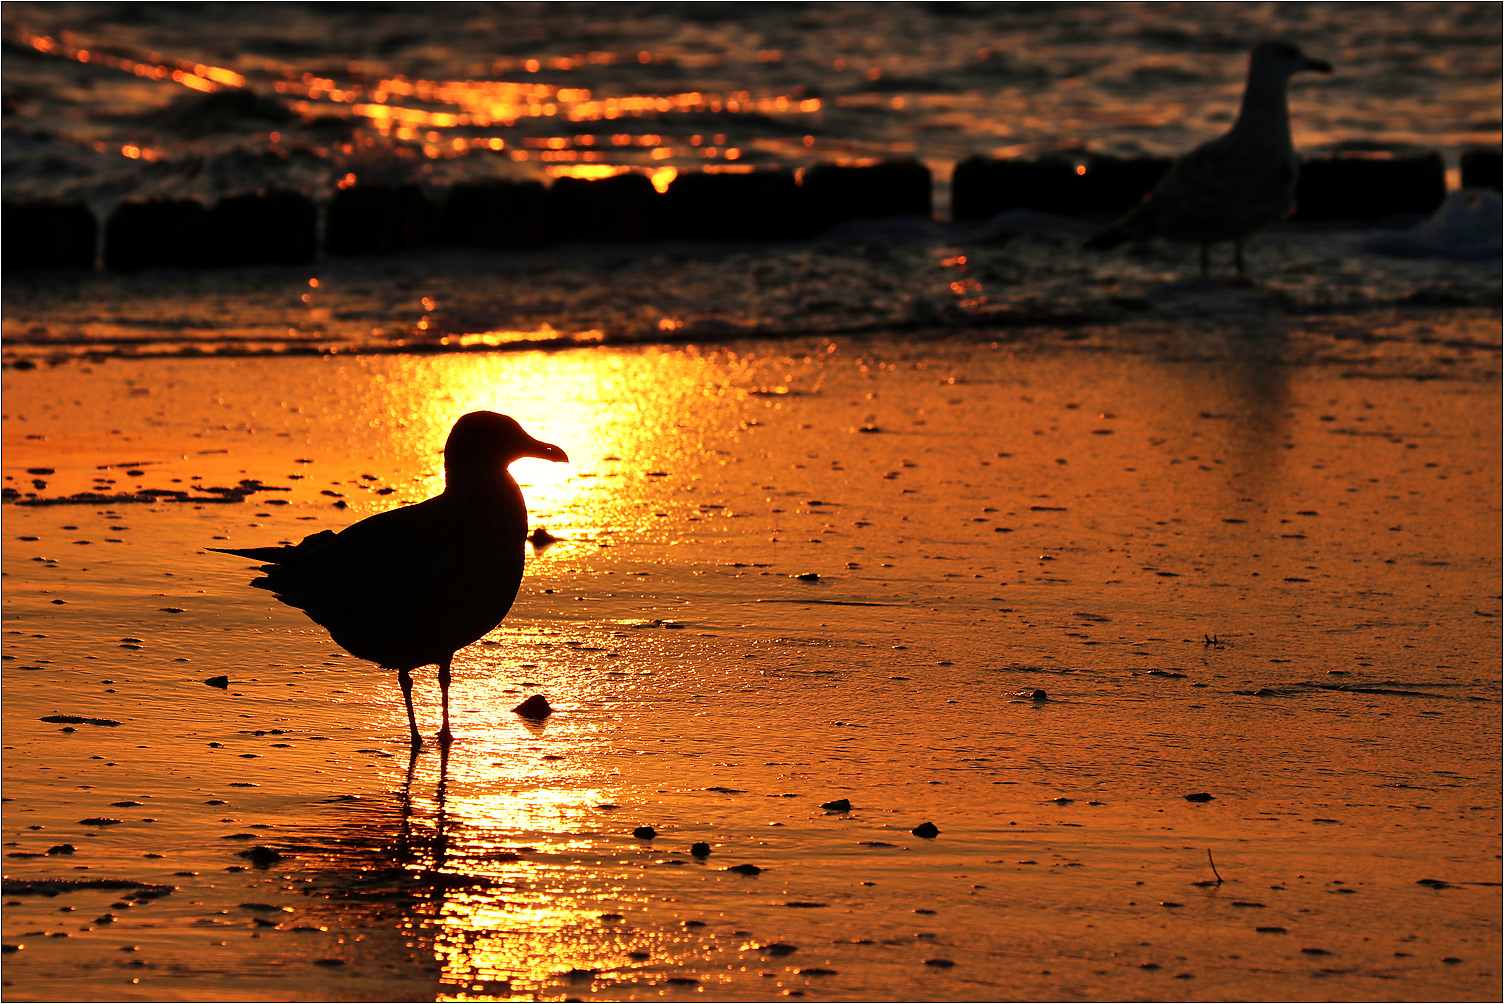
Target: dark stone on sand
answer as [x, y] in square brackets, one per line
[755, 205]
[274, 228]
[625, 207]
[8, 948]
[541, 538]
[61, 849]
[700, 849]
[800, 904]
[1148, 965]
[1200, 796]
[1032, 695]
[778, 949]
[535, 707]
[76, 720]
[222, 682]
[98, 821]
[1364, 186]
[1482, 169]
[808, 577]
[52, 887]
[1431, 883]
[832, 194]
[644, 833]
[260, 856]
[1451, 960]
[745, 869]
[378, 219]
[1314, 951]
[1271, 929]
[48, 235]
[328, 962]
[156, 233]
[838, 805]
[939, 963]
[817, 971]
[926, 830]
[497, 214]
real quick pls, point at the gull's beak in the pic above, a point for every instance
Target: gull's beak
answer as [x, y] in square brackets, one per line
[546, 451]
[1319, 65]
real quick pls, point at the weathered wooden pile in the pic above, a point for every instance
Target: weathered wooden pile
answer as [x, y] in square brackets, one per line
[282, 227]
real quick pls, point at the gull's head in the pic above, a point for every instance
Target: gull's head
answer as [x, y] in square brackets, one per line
[1284, 59]
[486, 440]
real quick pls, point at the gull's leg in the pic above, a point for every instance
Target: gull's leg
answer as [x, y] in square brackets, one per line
[440, 832]
[445, 736]
[405, 678]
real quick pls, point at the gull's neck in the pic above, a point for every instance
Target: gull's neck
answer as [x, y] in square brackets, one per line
[481, 479]
[1264, 117]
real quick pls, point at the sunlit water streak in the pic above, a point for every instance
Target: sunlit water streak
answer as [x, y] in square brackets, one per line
[426, 97]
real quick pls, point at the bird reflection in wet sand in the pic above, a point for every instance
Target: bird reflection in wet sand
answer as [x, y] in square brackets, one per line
[1226, 189]
[412, 586]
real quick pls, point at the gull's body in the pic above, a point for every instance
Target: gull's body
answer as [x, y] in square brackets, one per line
[1226, 189]
[412, 586]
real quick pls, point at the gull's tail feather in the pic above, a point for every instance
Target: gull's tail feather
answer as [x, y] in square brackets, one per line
[272, 554]
[278, 555]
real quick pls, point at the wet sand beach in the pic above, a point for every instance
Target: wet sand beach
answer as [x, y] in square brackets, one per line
[1034, 588]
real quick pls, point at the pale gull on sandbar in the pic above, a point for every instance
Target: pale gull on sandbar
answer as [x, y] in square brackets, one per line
[1226, 189]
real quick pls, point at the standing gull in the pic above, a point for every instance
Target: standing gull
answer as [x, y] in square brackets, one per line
[412, 586]
[1226, 189]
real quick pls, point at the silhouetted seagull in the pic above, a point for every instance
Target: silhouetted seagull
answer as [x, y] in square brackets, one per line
[1228, 188]
[412, 586]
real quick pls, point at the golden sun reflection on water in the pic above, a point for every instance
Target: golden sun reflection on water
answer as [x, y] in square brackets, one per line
[587, 402]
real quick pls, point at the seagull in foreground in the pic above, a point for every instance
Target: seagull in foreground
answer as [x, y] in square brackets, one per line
[412, 586]
[1228, 188]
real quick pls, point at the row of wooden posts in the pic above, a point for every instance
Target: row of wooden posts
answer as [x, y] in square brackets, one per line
[283, 227]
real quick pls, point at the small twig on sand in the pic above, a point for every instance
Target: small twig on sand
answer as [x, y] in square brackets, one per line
[1214, 865]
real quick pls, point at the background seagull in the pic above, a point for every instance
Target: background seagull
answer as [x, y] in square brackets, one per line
[412, 586]
[1228, 188]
